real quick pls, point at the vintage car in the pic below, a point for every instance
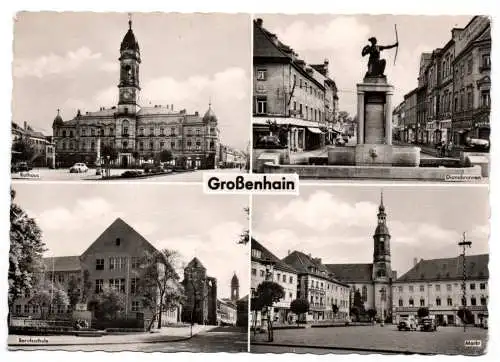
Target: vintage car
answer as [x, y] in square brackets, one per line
[428, 324]
[407, 325]
[78, 167]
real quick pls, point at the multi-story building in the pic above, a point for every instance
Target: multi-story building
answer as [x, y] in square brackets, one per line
[422, 108]
[265, 266]
[319, 286]
[291, 93]
[471, 81]
[111, 261]
[201, 294]
[398, 122]
[445, 79]
[136, 133]
[437, 284]
[230, 157]
[432, 97]
[410, 120]
[374, 280]
[43, 154]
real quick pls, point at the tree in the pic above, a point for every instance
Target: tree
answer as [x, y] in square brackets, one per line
[355, 312]
[299, 307]
[244, 236]
[255, 307]
[358, 302]
[107, 304]
[47, 294]
[371, 313]
[23, 149]
[73, 292]
[158, 283]
[25, 253]
[269, 293]
[87, 286]
[335, 309]
[465, 315]
[422, 312]
[166, 156]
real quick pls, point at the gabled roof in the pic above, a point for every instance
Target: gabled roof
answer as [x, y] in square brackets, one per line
[263, 46]
[352, 273]
[266, 255]
[196, 263]
[448, 269]
[62, 263]
[125, 232]
[306, 264]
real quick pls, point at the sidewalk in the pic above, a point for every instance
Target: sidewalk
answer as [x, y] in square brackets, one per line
[166, 334]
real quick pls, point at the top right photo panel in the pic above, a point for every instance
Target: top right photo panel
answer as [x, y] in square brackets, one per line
[372, 97]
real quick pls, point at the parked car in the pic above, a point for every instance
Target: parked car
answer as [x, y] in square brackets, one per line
[428, 324]
[78, 168]
[20, 167]
[152, 168]
[407, 325]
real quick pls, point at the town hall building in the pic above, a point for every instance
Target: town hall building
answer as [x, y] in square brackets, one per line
[137, 133]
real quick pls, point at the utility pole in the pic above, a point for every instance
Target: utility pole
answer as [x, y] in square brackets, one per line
[464, 243]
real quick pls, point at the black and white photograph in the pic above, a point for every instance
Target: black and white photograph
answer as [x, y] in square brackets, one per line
[106, 268]
[362, 270]
[146, 96]
[372, 97]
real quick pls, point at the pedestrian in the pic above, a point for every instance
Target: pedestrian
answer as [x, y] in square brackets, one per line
[450, 148]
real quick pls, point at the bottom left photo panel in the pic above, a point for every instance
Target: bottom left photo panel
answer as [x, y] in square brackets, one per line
[121, 267]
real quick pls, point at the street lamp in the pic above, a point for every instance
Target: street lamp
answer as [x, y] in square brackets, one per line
[464, 244]
[382, 300]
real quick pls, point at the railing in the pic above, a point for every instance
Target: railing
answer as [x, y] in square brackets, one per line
[28, 322]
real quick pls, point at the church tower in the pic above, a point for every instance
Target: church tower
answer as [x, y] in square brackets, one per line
[130, 58]
[382, 270]
[235, 288]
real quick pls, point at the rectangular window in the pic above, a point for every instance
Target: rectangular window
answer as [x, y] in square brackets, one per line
[26, 309]
[449, 302]
[485, 98]
[400, 302]
[422, 288]
[410, 302]
[438, 287]
[117, 263]
[486, 62]
[469, 66]
[99, 264]
[290, 280]
[99, 284]
[422, 302]
[135, 262]
[290, 295]
[135, 306]
[261, 105]
[400, 289]
[448, 287]
[279, 276]
[482, 286]
[472, 286]
[133, 285]
[483, 301]
[254, 271]
[261, 74]
[473, 301]
[284, 278]
[262, 273]
[117, 284]
[256, 253]
[438, 302]
[410, 288]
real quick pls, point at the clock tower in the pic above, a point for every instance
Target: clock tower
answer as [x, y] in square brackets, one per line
[382, 271]
[130, 58]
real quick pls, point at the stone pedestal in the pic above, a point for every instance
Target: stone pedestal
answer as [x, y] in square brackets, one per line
[374, 111]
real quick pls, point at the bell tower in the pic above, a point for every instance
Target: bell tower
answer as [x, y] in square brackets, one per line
[382, 271]
[235, 288]
[130, 58]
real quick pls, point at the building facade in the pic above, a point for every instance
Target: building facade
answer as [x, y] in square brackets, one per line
[265, 266]
[436, 284]
[373, 281]
[137, 133]
[291, 93]
[328, 297]
[409, 127]
[111, 261]
[398, 122]
[201, 295]
[43, 149]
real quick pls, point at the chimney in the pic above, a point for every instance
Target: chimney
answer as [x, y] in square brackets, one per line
[196, 113]
[288, 252]
[25, 125]
[415, 261]
[172, 107]
[259, 22]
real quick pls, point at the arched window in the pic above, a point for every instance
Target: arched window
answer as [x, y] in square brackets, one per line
[364, 293]
[92, 146]
[125, 128]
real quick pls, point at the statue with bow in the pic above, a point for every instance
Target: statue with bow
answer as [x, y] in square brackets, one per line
[376, 66]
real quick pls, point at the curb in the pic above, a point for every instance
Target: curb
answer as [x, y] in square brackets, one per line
[334, 348]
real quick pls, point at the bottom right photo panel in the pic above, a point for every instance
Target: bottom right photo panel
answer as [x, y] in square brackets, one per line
[370, 269]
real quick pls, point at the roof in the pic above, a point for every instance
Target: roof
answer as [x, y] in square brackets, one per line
[62, 263]
[234, 279]
[352, 272]
[209, 115]
[266, 255]
[126, 232]
[263, 46]
[195, 263]
[129, 42]
[448, 269]
[306, 264]
[382, 229]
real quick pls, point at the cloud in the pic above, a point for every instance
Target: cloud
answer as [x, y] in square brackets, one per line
[323, 210]
[85, 211]
[53, 64]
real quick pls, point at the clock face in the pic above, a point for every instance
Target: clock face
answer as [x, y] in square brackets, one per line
[382, 238]
[127, 94]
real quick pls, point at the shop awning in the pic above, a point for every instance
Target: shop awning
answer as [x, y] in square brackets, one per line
[314, 130]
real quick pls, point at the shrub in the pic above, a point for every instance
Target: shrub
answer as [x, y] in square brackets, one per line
[118, 323]
[131, 174]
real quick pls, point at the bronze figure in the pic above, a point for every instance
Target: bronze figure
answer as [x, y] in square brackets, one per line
[376, 66]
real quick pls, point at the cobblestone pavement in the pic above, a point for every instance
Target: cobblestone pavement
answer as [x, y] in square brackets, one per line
[446, 340]
[219, 339]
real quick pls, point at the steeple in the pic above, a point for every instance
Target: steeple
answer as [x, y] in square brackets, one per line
[235, 288]
[381, 209]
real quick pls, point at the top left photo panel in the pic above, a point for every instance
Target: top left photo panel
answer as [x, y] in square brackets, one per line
[143, 97]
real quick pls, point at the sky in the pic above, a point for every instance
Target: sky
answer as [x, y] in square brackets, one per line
[178, 217]
[70, 61]
[341, 38]
[336, 223]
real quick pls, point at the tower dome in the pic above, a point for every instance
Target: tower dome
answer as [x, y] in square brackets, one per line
[209, 115]
[129, 42]
[58, 121]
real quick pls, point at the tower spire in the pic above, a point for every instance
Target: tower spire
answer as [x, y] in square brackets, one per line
[130, 21]
[381, 207]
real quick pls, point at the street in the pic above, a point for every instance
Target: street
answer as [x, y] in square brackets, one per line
[220, 339]
[446, 340]
[46, 174]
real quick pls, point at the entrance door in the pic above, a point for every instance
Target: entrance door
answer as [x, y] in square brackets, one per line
[124, 161]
